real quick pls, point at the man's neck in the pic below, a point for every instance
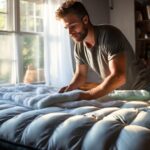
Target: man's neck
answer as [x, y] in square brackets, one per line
[89, 41]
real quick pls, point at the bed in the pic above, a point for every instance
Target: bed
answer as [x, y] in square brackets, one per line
[38, 117]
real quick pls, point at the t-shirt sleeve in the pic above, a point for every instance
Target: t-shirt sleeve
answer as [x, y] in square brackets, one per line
[78, 54]
[115, 42]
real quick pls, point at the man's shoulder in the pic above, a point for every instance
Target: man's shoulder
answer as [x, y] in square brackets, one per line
[109, 34]
[106, 27]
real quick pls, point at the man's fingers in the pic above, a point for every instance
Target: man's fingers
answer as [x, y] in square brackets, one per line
[62, 90]
[65, 89]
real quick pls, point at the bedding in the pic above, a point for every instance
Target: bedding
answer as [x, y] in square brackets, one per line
[38, 117]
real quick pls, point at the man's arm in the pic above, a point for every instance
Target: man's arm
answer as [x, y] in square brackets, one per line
[115, 79]
[78, 79]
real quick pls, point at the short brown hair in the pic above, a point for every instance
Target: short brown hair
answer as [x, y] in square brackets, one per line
[71, 6]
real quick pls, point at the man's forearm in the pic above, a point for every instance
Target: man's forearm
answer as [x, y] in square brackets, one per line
[77, 81]
[109, 84]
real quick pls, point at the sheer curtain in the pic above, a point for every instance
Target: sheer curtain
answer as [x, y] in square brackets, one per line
[58, 56]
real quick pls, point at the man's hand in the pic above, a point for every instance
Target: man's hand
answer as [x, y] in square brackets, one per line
[78, 79]
[66, 88]
[63, 89]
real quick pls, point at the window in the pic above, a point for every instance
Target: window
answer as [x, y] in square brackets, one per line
[31, 46]
[7, 57]
[21, 39]
[31, 16]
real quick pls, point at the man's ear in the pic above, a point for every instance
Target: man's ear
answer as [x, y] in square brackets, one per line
[85, 19]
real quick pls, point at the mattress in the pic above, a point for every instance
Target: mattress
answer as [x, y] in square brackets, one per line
[38, 117]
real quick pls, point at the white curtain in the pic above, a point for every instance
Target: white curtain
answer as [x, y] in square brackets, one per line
[58, 57]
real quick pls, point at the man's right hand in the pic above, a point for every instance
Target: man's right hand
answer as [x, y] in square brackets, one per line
[78, 79]
[65, 89]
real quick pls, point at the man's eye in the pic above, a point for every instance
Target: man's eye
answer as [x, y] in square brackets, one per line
[73, 27]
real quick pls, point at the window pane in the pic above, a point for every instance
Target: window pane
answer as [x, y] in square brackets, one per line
[30, 11]
[39, 25]
[7, 62]
[6, 15]
[3, 22]
[3, 6]
[33, 56]
[30, 7]
[23, 8]
[23, 23]
[39, 13]
[31, 23]
[5, 74]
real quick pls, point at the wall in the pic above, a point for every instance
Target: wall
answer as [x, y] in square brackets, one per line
[98, 10]
[122, 16]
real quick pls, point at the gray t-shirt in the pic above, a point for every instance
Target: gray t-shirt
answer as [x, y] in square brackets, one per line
[110, 42]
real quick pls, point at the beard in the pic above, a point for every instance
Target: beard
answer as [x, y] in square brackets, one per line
[80, 36]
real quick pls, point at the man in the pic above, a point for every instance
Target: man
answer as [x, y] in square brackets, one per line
[103, 48]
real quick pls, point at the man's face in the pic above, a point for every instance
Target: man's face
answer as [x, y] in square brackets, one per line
[78, 30]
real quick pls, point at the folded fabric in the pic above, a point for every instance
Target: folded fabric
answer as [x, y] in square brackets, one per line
[59, 98]
[127, 95]
[40, 96]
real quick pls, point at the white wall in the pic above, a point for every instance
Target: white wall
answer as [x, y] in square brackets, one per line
[98, 11]
[122, 16]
